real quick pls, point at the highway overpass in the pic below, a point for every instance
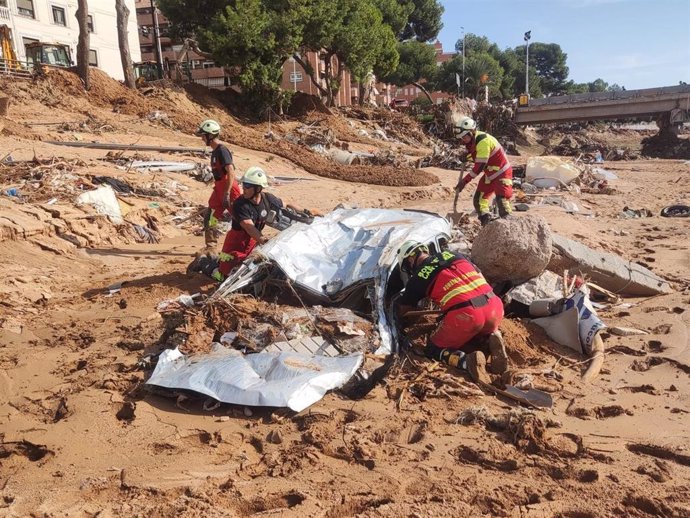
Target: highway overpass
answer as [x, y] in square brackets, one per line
[671, 104]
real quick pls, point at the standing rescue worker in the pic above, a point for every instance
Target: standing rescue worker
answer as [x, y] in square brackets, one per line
[225, 189]
[489, 158]
[468, 304]
[249, 214]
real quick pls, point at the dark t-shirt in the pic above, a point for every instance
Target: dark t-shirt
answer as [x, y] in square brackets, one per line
[220, 157]
[243, 209]
[424, 275]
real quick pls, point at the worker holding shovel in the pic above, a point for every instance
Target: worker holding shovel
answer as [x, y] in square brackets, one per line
[225, 188]
[468, 305]
[489, 158]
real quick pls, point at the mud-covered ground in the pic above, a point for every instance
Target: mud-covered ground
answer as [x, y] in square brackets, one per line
[80, 437]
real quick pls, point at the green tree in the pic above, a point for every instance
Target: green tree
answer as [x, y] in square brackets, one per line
[352, 32]
[481, 69]
[598, 85]
[549, 62]
[475, 44]
[253, 38]
[615, 87]
[417, 64]
[571, 87]
[424, 22]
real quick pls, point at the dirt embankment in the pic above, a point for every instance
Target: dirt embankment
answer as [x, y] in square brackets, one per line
[185, 108]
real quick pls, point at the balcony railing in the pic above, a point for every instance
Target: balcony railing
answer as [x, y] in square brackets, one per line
[4, 13]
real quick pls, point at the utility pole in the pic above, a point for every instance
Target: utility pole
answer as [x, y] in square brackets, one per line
[528, 35]
[463, 62]
[157, 38]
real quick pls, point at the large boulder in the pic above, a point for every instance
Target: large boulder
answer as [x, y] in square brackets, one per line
[513, 249]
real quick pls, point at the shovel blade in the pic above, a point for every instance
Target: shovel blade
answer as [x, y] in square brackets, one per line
[534, 397]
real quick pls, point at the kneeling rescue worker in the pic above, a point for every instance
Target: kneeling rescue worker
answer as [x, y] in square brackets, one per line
[249, 214]
[490, 158]
[468, 304]
[225, 188]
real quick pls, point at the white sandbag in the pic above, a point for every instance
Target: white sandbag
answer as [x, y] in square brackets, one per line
[550, 171]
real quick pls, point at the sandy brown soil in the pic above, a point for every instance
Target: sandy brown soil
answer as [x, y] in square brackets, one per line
[80, 437]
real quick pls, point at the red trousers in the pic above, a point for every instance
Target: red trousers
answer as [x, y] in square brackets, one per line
[215, 202]
[236, 247]
[461, 325]
[501, 187]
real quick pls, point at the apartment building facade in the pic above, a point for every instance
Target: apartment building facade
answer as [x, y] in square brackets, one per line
[295, 78]
[54, 21]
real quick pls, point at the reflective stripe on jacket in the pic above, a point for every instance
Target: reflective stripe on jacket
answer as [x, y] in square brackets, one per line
[458, 282]
[488, 156]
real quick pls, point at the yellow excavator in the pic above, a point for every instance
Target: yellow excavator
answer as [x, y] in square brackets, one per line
[7, 53]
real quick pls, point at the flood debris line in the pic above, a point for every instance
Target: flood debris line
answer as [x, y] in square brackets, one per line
[129, 147]
[445, 156]
[605, 269]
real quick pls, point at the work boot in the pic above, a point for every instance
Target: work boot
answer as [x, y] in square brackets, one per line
[475, 364]
[497, 350]
[484, 219]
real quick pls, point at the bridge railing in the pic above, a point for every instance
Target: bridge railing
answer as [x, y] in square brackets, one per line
[610, 96]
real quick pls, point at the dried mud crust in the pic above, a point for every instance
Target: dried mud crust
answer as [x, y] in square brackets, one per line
[185, 107]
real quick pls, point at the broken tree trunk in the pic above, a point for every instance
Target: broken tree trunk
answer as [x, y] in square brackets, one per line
[424, 90]
[126, 57]
[82, 16]
[310, 72]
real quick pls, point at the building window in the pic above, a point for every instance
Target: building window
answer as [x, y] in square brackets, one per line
[89, 22]
[59, 16]
[3, 3]
[26, 8]
[93, 58]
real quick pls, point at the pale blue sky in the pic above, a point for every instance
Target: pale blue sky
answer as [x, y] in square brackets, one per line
[635, 43]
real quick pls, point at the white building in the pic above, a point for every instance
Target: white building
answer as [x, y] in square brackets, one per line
[54, 21]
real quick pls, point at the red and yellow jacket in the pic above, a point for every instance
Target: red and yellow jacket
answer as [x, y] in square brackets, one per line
[448, 279]
[488, 156]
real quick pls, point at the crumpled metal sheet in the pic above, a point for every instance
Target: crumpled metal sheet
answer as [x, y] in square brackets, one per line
[344, 248]
[349, 245]
[263, 379]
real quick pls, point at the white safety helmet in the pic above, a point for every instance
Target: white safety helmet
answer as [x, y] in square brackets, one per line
[208, 127]
[410, 248]
[255, 176]
[465, 126]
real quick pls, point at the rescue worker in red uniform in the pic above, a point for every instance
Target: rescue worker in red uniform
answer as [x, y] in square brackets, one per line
[468, 304]
[225, 188]
[489, 158]
[249, 214]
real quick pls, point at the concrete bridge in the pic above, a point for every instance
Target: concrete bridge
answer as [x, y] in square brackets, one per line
[670, 105]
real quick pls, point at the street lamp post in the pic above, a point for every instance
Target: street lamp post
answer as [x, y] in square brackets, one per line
[463, 62]
[528, 35]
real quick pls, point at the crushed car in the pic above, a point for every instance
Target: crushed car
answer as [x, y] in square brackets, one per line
[341, 269]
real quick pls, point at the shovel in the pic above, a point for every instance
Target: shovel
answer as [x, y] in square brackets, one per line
[531, 397]
[456, 217]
